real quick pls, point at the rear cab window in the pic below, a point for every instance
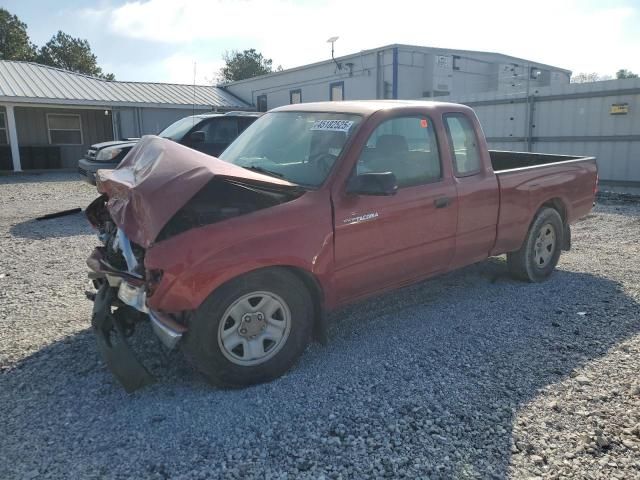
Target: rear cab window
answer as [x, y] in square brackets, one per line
[178, 129]
[221, 130]
[463, 142]
[405, 146]
[244, 122]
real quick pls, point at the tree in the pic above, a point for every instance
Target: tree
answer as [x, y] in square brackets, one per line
[69, 53]
[14, 40]
[624, 73]
[246, 64]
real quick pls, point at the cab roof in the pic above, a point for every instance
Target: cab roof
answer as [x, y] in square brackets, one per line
[228, 114]
[367, 107]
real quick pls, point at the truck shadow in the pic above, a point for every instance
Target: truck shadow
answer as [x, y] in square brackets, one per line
[433, 373]
[65, 226]
[616, 199]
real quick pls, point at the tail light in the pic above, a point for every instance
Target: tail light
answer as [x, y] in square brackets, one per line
[152, 280]
[595, 186]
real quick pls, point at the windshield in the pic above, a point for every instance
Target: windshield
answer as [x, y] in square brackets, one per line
[177, 130]
[300, 147]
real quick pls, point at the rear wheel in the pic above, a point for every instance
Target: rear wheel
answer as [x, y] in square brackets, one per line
[540, 253]
[252, 329]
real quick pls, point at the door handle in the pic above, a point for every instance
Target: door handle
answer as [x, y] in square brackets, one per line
[442, 202]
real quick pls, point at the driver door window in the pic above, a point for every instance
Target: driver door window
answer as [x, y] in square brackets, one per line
[405, 146]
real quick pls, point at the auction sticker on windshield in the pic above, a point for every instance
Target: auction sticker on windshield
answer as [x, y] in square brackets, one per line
[332, 125]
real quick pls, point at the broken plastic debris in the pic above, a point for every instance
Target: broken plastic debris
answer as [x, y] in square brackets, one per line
[582, 314]
[59, 214]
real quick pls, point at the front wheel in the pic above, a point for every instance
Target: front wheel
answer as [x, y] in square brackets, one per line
[539, 255]
[252, 329]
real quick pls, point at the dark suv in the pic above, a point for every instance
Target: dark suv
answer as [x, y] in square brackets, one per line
[210, 133]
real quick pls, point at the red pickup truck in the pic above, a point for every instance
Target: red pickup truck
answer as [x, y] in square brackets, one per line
[315, 205]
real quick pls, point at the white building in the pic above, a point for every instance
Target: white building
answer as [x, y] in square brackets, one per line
[397, 71]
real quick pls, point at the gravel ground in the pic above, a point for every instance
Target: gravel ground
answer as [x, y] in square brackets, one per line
[470, 375]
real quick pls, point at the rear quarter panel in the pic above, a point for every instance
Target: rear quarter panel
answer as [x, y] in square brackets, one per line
[524, 191]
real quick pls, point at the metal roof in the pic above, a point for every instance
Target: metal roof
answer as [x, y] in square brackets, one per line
[434, 50]
[29, 82]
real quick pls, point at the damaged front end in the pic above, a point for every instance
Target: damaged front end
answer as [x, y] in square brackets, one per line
[160, 190]
[117, 272]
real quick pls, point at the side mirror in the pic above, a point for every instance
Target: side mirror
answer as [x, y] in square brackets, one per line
[382, 184]
[197, 137]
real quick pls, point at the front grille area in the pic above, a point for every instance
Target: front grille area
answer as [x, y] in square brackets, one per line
[114, 255]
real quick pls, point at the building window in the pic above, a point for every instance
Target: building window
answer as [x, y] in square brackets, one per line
[336, 91]
[456, 62]
[295, 96]
[64, 129]
[261, 102]
[4, 139]
[535, 73]
[387, 89]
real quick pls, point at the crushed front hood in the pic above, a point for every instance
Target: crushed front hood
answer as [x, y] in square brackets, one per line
[157, 178]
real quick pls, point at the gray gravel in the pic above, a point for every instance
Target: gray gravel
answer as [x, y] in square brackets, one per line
[470, 375]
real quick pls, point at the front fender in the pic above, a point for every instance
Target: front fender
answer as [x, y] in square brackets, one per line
[298, 234]
[189, 290]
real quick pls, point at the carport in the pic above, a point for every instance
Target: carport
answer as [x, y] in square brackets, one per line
[49, 117]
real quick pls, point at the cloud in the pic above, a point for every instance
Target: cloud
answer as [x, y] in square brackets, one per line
[179, 68]
[571, 34]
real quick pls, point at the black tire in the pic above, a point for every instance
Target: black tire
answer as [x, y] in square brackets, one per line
[201, 343]
[525, 264]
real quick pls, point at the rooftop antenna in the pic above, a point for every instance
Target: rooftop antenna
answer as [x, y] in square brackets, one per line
[332, 40]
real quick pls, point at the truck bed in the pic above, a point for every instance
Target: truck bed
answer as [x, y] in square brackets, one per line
[504, 160]
[527, 180]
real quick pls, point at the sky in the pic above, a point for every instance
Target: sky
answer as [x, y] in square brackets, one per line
[161, 40]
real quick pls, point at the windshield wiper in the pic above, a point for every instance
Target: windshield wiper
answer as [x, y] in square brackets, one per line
[256, 168]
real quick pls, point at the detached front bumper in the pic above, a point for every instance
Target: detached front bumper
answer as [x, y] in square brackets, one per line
[111, 329]
[167, 330]
[119, 303]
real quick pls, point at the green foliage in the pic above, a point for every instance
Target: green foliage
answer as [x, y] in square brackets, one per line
[69, 53]
[246, 64]
[62, 51]
[624, 73]
[14, 40]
